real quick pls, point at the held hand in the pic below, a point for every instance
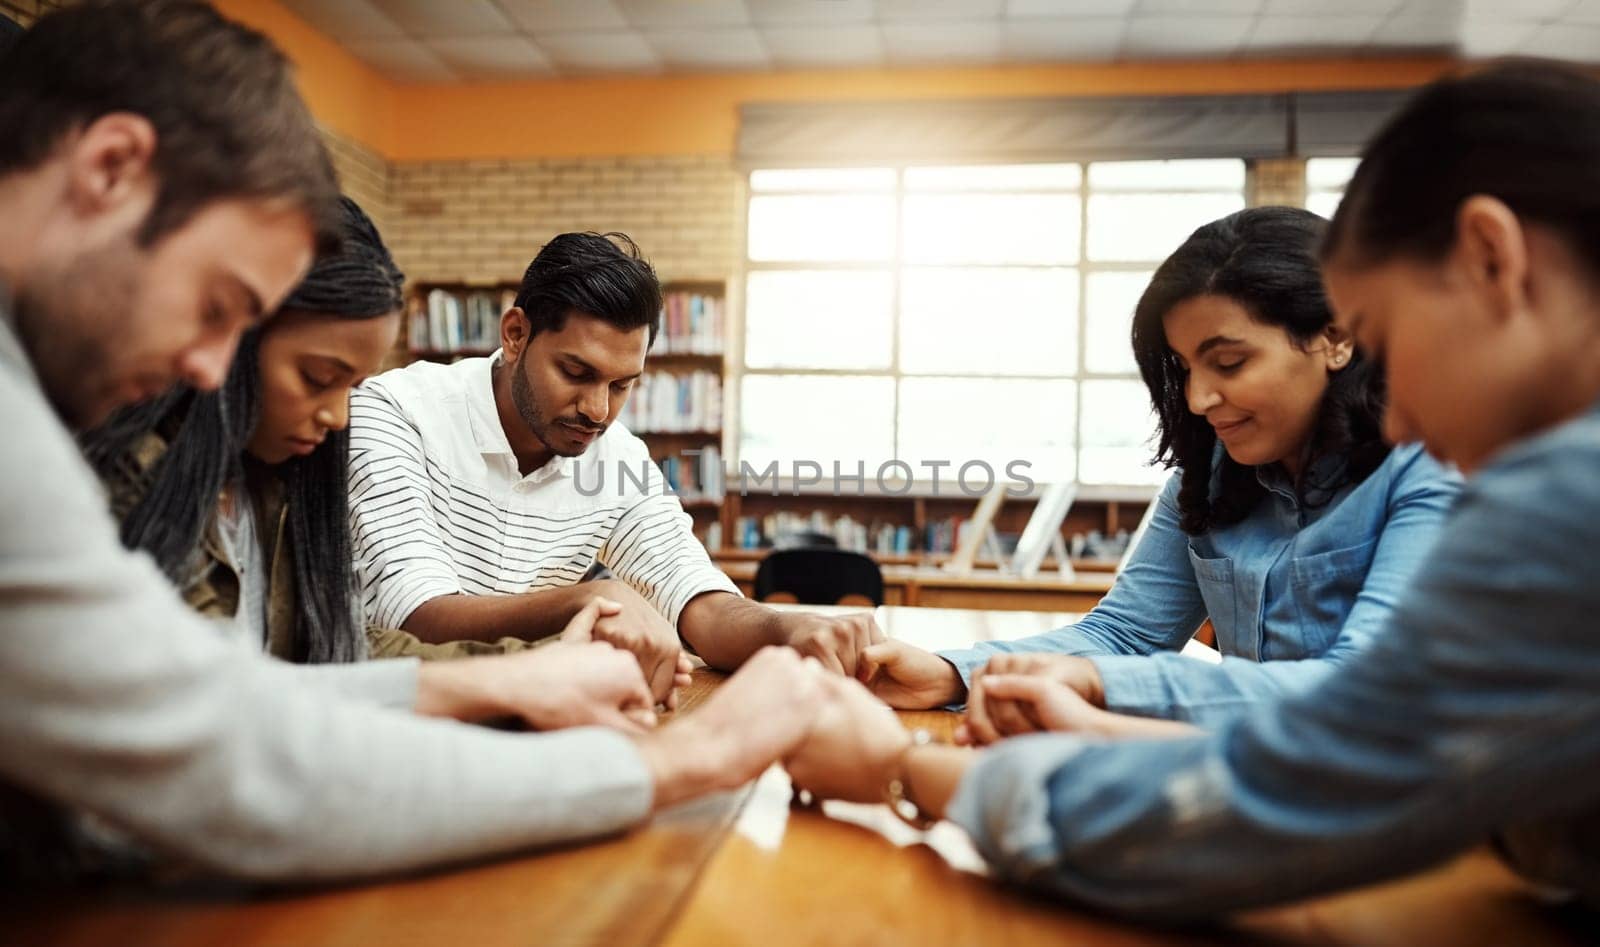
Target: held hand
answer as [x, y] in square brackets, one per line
[835, 640]
[633, 625]
[563, 684]
[1008, 705]
[996, 718]
[754, 719]
[908, 678]
[854, 745]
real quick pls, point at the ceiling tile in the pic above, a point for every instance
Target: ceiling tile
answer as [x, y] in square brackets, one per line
[1565, 41]
[1517, 9]
[684, 14]
[1327, 8]
[1584, 11]
[808, 47]
[586, 53]
[1212, 36]
[1429, 30]
[426, 18]
[1290, 32]
[707, 49]
[797, 12]
[920, 12]
[491, 57]
[1480, 37]
[346, 20]
[553, 16]
[977, 41]
[1196, 8]
[405, 60]
[1039, 40]
[1065, 9]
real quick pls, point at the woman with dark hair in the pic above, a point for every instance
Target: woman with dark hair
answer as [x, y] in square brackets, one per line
[1289, 523]
[1475, 715]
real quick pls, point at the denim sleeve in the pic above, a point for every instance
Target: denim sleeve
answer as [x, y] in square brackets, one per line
[1176, 687]
[1155, 604]
[1478, 707]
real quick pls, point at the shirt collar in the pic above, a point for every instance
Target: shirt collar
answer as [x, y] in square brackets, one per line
[488, 433]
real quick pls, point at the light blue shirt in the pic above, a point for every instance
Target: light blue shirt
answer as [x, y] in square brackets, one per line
[1293, 590]
[1476, 709]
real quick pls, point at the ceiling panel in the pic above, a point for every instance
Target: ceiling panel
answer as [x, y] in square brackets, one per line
[1216, 36]
[406, 60]
[684, 14]
[491, 57]
[432, 19]
[942, 43]
[720, 48]
[1041, 40]
[553, 16]
[811, 47]
[591, 53]
[797, 12]
[347, 20]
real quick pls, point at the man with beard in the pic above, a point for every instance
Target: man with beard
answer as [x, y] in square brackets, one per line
[473, 518]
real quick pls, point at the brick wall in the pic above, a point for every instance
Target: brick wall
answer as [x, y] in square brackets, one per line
[364, 175]
[482, 221]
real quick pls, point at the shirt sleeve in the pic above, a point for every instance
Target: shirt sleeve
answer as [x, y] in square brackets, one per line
[1173, 686]
[385, 682]
[653, 547]
[1478, 707]
[1154, 605]
[119, 701]
[402, 557]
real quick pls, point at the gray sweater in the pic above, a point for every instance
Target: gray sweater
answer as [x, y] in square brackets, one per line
[117, 701]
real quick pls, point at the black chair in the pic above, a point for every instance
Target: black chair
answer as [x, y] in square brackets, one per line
[819, 576]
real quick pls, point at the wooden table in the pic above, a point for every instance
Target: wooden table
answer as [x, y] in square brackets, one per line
[744, 867]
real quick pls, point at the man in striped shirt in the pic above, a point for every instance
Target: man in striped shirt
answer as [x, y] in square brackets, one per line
[482, 492]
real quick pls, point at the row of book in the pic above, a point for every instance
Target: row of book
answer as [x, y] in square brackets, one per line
[691, 324]
[695, 478]
[444, 321]
[450, 321]
[663, 402]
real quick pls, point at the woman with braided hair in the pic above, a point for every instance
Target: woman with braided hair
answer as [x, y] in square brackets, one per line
[240, 494]
[1289, 522]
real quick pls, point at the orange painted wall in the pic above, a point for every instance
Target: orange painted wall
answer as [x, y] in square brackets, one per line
[344, 93]
[687, 115]
[698, 115]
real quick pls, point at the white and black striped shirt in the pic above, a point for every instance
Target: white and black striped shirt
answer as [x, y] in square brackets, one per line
[438, 505]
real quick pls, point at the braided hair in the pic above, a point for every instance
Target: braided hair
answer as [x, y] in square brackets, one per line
[207, 433]
[1264, 259]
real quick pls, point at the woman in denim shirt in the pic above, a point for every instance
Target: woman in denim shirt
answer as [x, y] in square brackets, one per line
[1291, 524]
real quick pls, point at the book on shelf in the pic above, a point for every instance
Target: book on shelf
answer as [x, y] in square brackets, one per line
[691, 324]
[694, 477]
[663, 402]
[465, 321]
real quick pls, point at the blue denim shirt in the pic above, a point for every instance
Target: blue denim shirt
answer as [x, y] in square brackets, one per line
[1292, 590]
[1476, 709]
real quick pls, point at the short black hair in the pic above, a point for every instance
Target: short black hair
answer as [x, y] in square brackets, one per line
[603, 276]
[1522, 131]
[229, 122]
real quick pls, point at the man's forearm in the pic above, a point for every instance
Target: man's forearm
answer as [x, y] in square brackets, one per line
[526, 615]
[725, 629]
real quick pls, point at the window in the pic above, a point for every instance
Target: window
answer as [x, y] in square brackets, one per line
[956, 314]
[1326, 179]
